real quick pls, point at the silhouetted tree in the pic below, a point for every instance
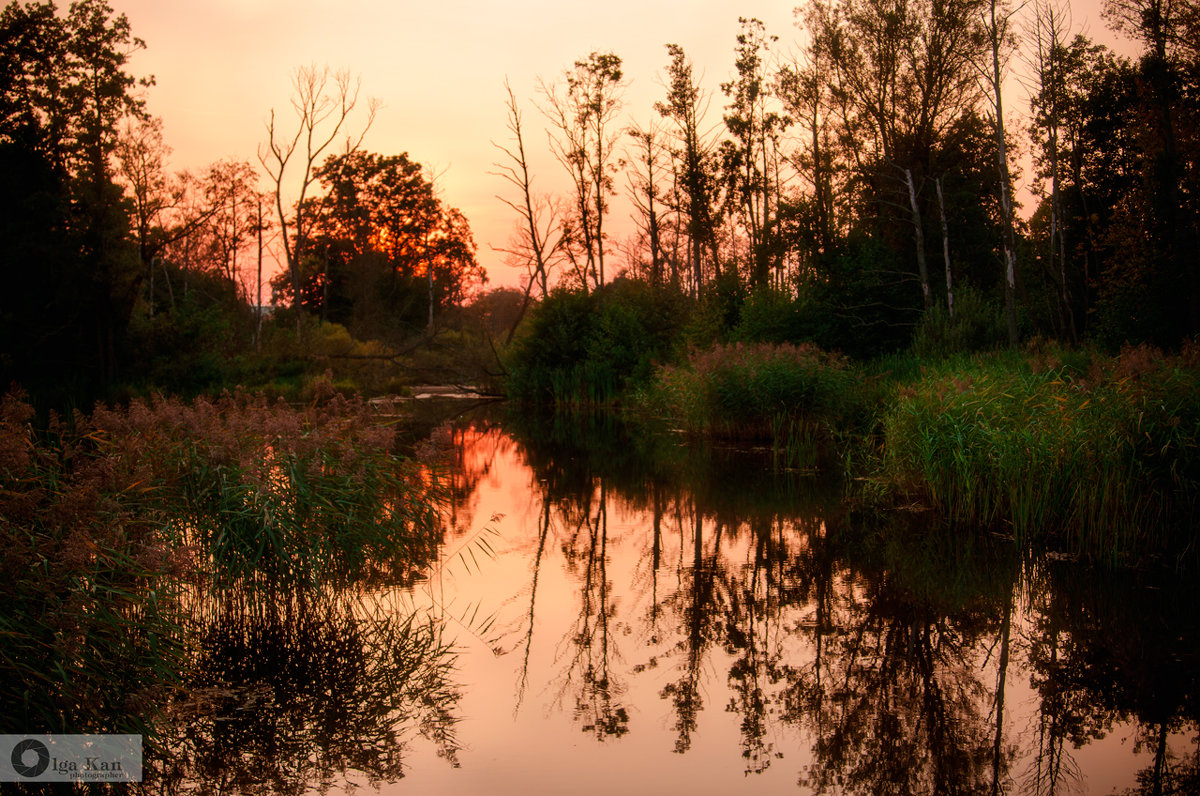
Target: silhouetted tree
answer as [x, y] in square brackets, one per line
[323, 104]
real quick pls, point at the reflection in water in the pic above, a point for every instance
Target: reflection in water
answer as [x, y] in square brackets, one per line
[691, 605]
[288, 694]
[633, 614]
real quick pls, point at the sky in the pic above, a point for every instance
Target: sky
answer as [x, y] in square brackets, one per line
[438, 71]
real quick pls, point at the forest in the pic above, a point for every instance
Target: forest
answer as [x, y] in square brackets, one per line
[867, 193]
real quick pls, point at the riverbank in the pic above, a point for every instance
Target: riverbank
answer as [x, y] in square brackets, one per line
[1095, 455]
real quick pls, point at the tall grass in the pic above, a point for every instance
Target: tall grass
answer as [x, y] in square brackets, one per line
[260, 492]
[106, 519]
[797, 397]
[1102, 454]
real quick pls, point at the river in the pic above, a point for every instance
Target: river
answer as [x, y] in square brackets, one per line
[647, 615]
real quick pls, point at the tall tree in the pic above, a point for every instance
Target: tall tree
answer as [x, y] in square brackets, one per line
[1048, 33]
[65, 88]
[995, 20]
[751, 160]
[901, 81]
[379, 238]
[685, 105]
[1170, 72]
[323, 103]
[646, 192]
[583, 111]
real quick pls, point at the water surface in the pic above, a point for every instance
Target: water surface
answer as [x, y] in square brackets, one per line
[634, 616]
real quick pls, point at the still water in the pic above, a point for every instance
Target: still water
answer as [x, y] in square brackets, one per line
[645, 616]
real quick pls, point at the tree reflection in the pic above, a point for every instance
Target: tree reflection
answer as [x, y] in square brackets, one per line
[586, 552]
[1127, 652]
[698, 604]
[890, 649]
[286, 694]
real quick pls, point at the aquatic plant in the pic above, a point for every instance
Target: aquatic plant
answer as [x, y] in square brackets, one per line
[1103, 454]
[260, 491]
[107, 518]
[798, 397]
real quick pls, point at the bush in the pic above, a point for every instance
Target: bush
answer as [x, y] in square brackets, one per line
[588, 348]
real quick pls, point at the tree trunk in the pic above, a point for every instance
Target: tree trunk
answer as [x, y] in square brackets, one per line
[946, 250]
[919, 234]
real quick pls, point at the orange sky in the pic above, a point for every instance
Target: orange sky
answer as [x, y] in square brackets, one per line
[437, 68]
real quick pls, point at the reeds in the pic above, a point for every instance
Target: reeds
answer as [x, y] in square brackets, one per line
[104, 520]
[796, 397]
[1104, 459]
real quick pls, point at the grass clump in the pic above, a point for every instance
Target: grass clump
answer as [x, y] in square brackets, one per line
[798, 397]
[1100, 453]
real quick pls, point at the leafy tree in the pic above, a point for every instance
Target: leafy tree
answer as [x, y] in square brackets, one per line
[64, 90]
[751, 160]
[384, 253]
[695, 166]
[583, 111]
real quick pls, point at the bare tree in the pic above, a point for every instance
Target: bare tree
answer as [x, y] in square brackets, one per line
[323, 102]
[539, 236]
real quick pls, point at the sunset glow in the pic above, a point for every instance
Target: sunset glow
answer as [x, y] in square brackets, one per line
[438, 71]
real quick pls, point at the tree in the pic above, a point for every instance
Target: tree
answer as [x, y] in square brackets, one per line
[695, 167]
[996, 29]
[645, 190]
[1048, 33]
[539, 236]
[383, 249]
[141, 160]
[901, 81]
[803, 89]
[323, 103]
[1170, 81]
[583, 111]
[751, 161]
[65, 89]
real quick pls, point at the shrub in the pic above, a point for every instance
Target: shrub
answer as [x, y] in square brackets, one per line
[588, 348]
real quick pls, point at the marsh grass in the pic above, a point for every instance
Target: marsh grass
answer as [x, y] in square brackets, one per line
[798, 398]
[1101, 454]
[106, 518]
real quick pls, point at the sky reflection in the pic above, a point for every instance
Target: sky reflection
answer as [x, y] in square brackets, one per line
[648, 637]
